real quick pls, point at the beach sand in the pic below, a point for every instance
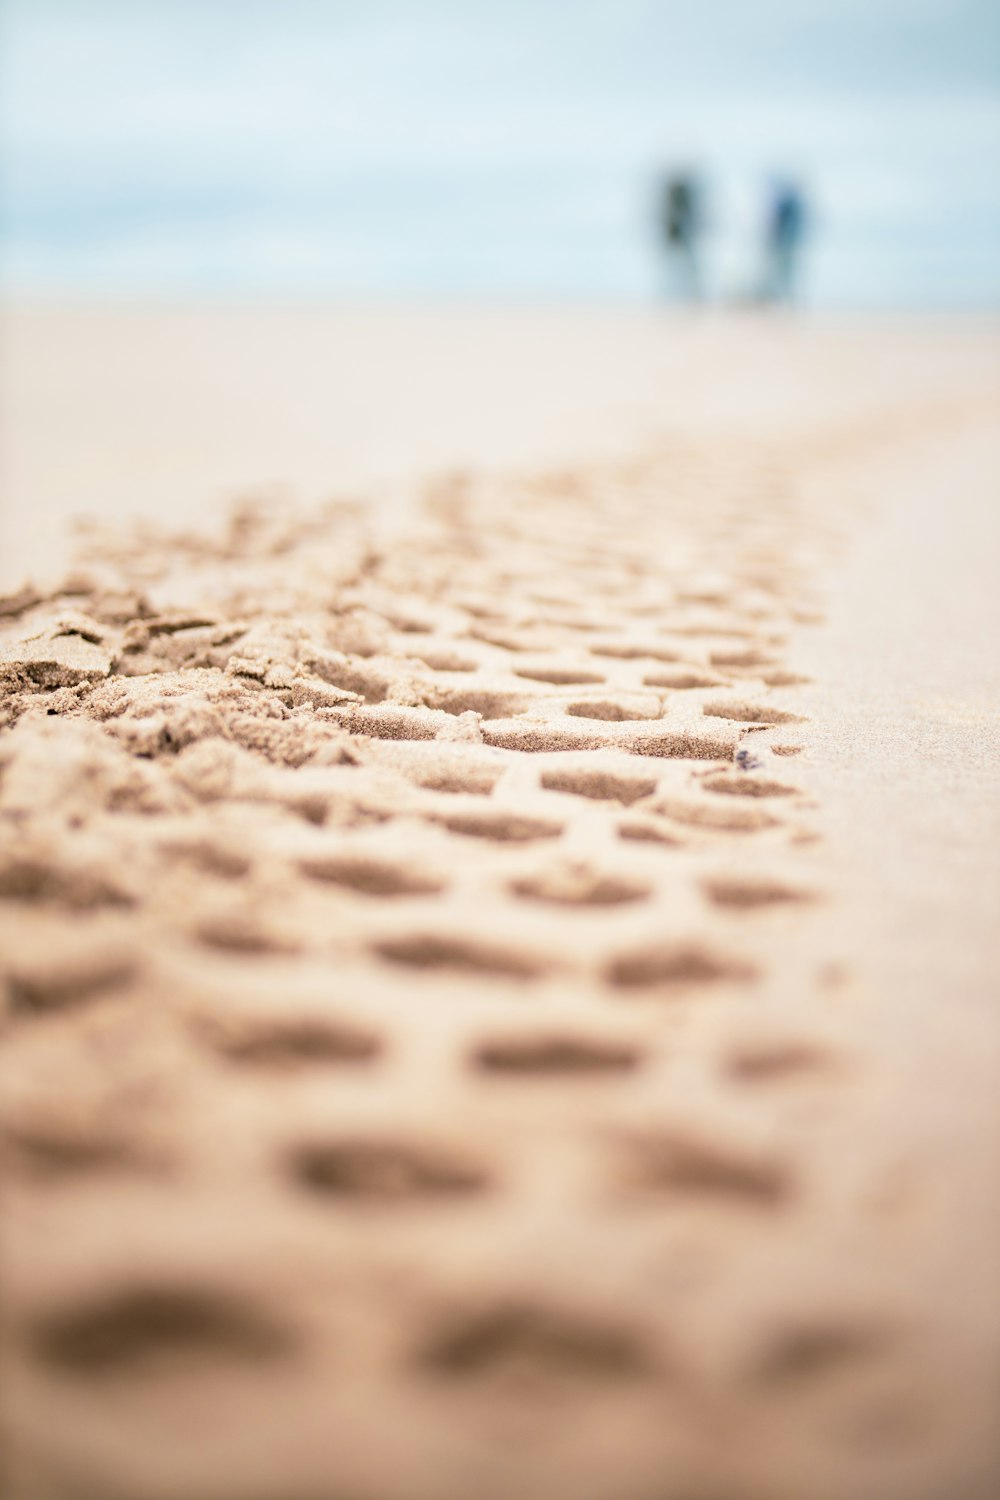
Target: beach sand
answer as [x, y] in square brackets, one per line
[498, 886]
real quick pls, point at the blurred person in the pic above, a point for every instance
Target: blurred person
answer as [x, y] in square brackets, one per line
[681, 224]
[785, 229]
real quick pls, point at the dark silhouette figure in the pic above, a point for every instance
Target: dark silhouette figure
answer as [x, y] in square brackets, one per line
[786, 227]
[681, 225]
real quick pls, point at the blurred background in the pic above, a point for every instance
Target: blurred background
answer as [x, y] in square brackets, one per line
[476, 149]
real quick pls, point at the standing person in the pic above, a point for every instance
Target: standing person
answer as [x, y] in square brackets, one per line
[786, 225]
[681, 224]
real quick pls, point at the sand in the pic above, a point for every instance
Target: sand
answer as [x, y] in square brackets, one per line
[497, 945]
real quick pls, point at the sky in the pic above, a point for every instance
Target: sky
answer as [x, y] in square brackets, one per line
[487, 149]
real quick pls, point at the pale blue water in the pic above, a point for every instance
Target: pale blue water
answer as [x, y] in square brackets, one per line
[485, 149]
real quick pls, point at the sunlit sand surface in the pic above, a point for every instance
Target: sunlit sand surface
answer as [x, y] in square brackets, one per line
[498, 875]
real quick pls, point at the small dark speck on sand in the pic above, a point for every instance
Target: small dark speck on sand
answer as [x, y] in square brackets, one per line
[746, 761]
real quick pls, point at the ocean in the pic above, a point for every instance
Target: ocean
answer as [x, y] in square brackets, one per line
[473, 149]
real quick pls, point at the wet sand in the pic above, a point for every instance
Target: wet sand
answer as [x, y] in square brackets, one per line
[499, 966]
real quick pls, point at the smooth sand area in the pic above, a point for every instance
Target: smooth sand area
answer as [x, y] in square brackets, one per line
[168, 413]
[497, 932]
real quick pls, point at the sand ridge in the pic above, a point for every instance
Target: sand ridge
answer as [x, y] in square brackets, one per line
[416, 1082]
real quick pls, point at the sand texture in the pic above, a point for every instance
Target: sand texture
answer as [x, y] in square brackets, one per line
[440, 1056]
